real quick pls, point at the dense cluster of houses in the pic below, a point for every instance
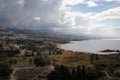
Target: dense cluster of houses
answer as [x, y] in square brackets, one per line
[26, 45]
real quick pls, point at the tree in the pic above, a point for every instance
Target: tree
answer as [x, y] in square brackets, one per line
[93, 74]
[96, 57]
[11, 53]
[65, 73]
[78, 73]
[15, 61]
[39, 61]
[92, 58]
[11, 61]
[30, 61]
[60, 73]
[4, 70]
[73, 75]
[83, 73]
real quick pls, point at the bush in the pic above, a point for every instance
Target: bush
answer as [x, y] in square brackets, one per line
[39, 61]
[64, 73]
[4, 70]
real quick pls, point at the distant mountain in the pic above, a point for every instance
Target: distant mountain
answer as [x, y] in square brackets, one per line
[47, 34]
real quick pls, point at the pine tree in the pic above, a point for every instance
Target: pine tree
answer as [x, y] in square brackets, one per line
[83, 73]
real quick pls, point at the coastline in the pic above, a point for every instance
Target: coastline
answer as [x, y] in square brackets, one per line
[83, 45]
[58, 45]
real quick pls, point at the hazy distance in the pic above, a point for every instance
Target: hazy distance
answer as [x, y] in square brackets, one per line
[93, 17]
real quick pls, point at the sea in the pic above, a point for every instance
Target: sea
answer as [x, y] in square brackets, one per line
[93, 46]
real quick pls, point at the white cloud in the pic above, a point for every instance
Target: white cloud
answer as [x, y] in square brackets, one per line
[21, 1]
[91, 4]
[37, 18]
[109, 0]
[113, 0]
[113, 13]
[103, 30]
[73, 2]
[75, 22]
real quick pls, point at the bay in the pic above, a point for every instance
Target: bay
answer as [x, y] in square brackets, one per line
[93, 46]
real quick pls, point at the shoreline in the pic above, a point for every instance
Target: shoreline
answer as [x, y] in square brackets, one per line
[58, 45]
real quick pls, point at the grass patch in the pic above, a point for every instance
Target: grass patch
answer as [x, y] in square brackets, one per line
[108, 59]
[79, 59]
[26, 74]
[72, 60]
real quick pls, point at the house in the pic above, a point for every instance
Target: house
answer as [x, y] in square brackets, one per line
[22, 51]
[6, 47]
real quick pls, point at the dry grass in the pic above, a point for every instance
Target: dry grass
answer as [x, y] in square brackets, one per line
[108, 59]
[72, 60]
[26, 74]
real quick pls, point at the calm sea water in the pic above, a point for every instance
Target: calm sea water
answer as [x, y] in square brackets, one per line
[93, 46]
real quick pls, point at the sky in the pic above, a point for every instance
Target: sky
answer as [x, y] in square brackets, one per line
[92, 17]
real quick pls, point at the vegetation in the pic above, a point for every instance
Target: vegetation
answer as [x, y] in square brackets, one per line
[108, 50]
[72, 60]
[26, 74]
[4, 70]
[9, 53]
[64, 73]
[40, 61]
[94, 64]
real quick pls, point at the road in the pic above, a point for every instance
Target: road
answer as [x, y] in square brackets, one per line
[12, 76]
[110, 77]
[43, 73]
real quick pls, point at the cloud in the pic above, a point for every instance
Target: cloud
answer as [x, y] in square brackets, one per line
[21, 2]
[108, 0]
[73, 2]
[26, 13]
[104, 30]
[37, 18]
[75, 20]
[57, 15]
[91, 4]
[105, 23]
[113, 0]
[113, 13]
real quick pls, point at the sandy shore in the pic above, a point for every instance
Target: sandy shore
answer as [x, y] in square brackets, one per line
[59, 45]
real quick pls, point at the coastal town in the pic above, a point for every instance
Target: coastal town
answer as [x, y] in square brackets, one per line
[59, 39]
[26, 56]
[26, 44]
[18, 50]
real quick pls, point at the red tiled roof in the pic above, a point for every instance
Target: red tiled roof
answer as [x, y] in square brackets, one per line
[67, 52]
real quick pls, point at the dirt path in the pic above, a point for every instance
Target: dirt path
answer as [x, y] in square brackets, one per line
[110, 77]
[43, 74]
[12, 76]
[107, 75]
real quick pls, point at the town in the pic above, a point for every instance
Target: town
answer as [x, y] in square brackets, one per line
[26, 44]
[32, 56]
[18, 50]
